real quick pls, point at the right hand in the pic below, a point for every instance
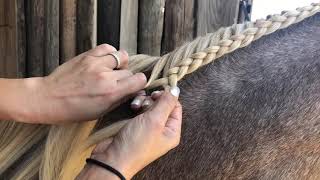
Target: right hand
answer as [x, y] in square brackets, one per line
[142, 140]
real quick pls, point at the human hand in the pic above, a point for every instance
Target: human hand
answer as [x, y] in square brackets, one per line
[142, 140]
[84, 87]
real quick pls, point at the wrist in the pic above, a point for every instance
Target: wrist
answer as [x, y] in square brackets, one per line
[34, 99]
[22, 99]
[117, 163]
[92, 172]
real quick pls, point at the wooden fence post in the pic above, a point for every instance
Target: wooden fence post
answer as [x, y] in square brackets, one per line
[68, 19]
[129, 26]
[35, 12]
[108, 26]
[213, 14]
[151, 15]
[51, 55]
[85, 25]
[12, 39]
[178, 24]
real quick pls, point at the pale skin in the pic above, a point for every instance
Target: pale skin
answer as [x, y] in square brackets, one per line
[84, 88]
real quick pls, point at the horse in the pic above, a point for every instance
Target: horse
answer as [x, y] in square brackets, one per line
[253, 114]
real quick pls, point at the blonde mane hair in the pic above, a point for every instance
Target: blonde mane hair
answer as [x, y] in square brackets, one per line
[59, 151]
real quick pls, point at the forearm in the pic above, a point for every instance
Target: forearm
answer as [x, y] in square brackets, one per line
[18, 99]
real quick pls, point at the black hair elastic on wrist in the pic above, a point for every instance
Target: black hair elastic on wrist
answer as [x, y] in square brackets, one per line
[105, 166]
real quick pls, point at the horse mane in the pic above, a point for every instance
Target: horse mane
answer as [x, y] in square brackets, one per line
[53, 152]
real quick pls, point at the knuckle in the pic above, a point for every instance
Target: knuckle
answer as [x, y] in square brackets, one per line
[110, 90]
[101, 76]
[87, 58]
[127, 72]
[107, 47]
[88, 63]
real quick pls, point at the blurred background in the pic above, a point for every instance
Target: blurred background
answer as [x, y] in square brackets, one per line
[262, 8]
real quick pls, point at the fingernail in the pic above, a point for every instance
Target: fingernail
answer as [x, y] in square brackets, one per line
[155, 93]
[136, 102]
[146, 103]
[175, 91]
[143, 76]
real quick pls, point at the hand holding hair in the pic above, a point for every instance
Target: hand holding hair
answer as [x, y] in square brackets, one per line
[144, 139]
[79, 90]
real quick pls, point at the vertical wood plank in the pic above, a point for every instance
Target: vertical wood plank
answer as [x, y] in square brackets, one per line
[51, 58]
[2, 37]
[213, 14]
[129, 26]
[109, 22]
[21, 38]
[95, 23]
[68, 15]
[189, 20]
[2, 13]
[11, 37]
[178, 24]
[151, 17]
[85, 25]
[35, 37]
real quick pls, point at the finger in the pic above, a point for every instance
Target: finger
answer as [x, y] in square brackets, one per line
[101, 50]
[137, 102]
[124, 59]
[131, 85]
[121, 74]
[156, 95]
[175, 119]
[147, 103]
[102, 146]
[111, 62]
[165, 105]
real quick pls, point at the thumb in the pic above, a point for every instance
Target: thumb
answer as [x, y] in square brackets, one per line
[164, 106]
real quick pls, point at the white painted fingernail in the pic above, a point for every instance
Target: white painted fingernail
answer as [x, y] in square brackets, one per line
[146, 103]
[136, 102]
[155, 92]
[175, 91]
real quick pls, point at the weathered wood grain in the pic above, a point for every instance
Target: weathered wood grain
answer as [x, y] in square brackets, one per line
[213, 14]
[85, 25]
[51, 55]
[108, 26]
[21, 38]
[35, 11]
[151, 17]
[2, 13]
[68, 14]
[2, 38]
[129, 26]
[178, 24]
[12, 42]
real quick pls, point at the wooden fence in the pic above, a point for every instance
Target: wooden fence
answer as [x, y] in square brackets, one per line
[37, 35]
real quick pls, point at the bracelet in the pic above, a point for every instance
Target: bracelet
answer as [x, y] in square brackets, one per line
[105, 166]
